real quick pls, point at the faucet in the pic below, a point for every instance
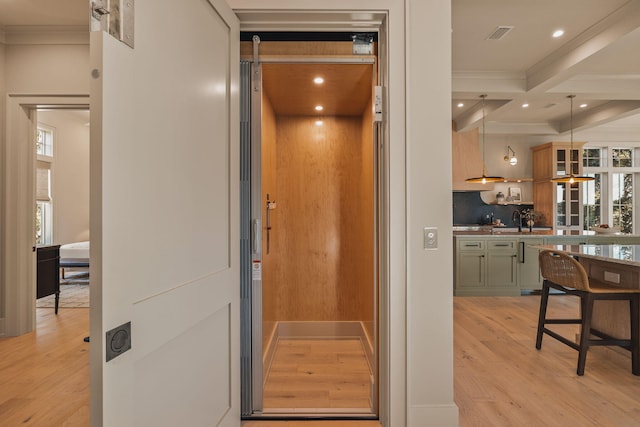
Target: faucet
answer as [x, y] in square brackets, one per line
[517, 215]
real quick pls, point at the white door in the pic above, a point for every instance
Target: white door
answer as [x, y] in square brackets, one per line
[164, 218]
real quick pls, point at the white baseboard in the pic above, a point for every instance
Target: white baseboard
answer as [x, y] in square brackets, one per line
[433, 415]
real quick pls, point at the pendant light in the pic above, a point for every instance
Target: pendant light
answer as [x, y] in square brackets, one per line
[571, 178]
[484, 178]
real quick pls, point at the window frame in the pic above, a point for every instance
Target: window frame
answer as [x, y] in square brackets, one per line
[606, 171]
[44, 235]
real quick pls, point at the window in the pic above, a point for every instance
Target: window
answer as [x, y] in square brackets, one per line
[609, 198]
[592, 157]
[592, 199]
[622, 157]
[622, 201]
[44, 220]
[44, 141]
[44, 207]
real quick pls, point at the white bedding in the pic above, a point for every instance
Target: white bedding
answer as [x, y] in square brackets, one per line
[75, 250]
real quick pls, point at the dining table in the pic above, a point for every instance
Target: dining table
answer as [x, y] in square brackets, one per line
[616, 265]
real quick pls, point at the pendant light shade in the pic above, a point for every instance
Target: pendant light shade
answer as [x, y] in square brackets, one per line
[571, 178]
[484, 179]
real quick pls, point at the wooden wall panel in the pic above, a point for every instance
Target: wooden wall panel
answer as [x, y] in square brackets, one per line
[322, 250]
[467, 161]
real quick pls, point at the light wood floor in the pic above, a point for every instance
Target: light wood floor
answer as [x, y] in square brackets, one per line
[44, 375]
[306, 374]
[500, 379]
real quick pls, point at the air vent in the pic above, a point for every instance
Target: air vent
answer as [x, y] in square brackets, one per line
[500, 32]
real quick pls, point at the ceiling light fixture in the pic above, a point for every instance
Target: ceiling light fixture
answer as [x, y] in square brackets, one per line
[460, 104]
[584, 105]
[318, 80]
[571, 178]
[319, 108]
[484, 178]
[525, 105]
[512, 159]
[558, 33]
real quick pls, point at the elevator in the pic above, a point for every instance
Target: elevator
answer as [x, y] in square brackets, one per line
[310, 197]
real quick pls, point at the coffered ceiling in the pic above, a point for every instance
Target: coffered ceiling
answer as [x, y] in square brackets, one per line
[596, 59]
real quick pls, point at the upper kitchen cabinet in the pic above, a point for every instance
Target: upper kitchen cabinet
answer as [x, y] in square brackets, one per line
[467, 161]
[559, 203]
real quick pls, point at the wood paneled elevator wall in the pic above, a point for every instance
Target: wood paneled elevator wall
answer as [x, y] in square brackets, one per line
[320, 264]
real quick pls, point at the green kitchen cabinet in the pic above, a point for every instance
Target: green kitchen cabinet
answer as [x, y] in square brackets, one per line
[529, 277]
[486, 267]
[501, 264]
[471, 264]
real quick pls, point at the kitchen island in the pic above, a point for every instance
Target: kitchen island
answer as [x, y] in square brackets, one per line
[616, 265]
[495, 261]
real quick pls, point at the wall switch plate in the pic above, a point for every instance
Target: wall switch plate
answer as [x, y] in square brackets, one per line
[430, 238]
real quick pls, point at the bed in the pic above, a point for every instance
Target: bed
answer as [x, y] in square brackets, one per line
[74, 255]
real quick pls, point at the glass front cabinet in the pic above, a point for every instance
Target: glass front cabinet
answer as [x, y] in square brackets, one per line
[557, 205]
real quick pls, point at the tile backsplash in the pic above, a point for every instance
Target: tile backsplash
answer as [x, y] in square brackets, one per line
[469, 208]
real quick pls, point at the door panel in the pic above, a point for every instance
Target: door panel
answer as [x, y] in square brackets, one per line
[165, 217]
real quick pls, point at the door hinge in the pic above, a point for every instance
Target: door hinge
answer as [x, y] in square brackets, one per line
[116, 17]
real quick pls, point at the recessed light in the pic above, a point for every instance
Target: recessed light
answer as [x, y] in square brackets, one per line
[318, 80]
[460, 104]
[558, 33]
[525, 105]
[584, 105]
[319, 108]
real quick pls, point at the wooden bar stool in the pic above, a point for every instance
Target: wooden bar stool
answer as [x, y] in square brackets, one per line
[565, 274]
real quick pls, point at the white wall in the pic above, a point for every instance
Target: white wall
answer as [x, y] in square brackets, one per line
[429, 272]
[33, 67]
[70, 174]
[2, 174]
[47, 69]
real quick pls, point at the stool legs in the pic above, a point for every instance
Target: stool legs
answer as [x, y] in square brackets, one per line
[586, 308]
[544, 300]
[634, 313]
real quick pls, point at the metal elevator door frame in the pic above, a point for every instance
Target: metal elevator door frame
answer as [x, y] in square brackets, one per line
[252, 215]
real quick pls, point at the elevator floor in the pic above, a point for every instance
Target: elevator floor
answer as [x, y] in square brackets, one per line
[317, 376]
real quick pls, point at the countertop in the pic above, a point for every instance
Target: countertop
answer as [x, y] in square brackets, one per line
[497, 232]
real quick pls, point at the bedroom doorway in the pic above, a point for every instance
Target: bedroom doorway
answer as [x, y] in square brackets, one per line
[62, 206]
[310, 337]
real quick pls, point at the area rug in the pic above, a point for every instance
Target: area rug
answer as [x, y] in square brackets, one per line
[74, 292]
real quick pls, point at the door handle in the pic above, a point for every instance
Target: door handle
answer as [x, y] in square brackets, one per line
[257, 236]
[270, 205]
[521, 252]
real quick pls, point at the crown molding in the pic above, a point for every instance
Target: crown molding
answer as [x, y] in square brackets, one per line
[44, 34]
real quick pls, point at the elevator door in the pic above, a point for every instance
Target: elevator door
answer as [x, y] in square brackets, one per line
[312, 236]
